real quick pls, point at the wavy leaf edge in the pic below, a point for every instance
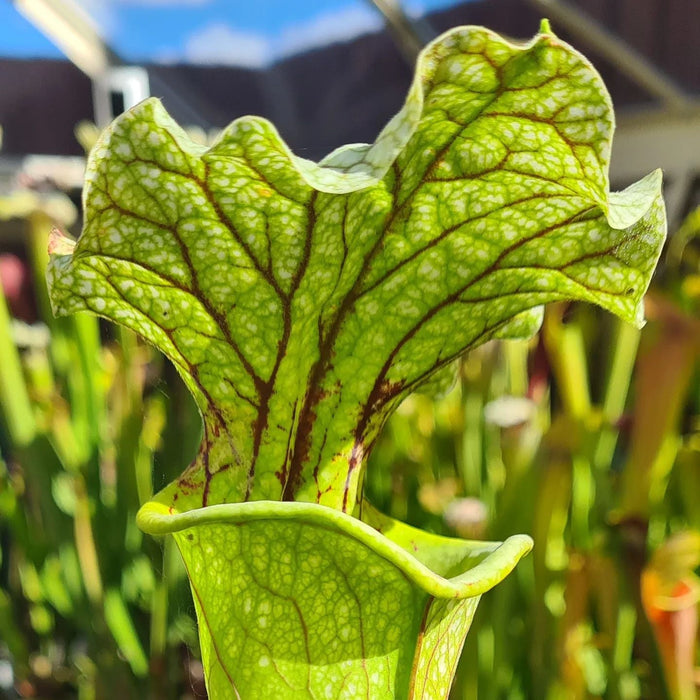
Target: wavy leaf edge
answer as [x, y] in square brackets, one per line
[297, 360]
[501, 557]
[353, 167]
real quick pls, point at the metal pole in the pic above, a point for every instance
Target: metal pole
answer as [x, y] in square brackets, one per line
[411, 35]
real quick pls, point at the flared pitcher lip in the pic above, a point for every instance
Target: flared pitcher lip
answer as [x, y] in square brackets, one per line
[158, 519]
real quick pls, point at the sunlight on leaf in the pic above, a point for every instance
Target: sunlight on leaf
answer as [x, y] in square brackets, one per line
[296, 600]
[302, 302]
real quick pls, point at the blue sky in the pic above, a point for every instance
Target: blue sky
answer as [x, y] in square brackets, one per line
[240, 32]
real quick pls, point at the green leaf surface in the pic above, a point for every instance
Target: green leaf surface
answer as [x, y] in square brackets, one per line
[297, 600]
[302, 302]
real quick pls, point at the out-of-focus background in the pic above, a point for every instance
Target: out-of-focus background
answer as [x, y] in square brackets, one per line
[586, 437]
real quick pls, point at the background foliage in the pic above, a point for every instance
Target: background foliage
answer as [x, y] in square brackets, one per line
[586, 437]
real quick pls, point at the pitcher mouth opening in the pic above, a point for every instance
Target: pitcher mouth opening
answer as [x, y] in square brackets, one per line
[443, 567]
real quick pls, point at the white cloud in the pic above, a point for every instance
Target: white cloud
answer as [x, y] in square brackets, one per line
[162, 3]
[219, 43]
[105, 13]
[327, 28]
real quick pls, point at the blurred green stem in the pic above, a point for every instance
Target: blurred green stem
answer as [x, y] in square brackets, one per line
[80, 334]
[85, 545]
[567, 356]
[664, 368]
[14, 399]
[625, 346]
[159, 621]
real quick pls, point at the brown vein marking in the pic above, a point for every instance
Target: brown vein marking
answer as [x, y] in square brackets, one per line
[149, 195]
[486, 334]
[539, 297]
[297, 609]
[196, 290]
[539, 86]
[542, 297]
[593, 145]
[262, 179]
[204, 449]
[382, 392]
[186, 157]
[267, 389]
[267, 275]
[458, 652]
[282, 473]
[241, 396]
[302, 442]
[426, 674]
[217, 316]
[341, 268]
[268, 247]
[343, 574]
[357, 455]
[610, 252]
[446, 629]
[174, 284]
[448, 232]
[127, 162]
[419, 648]
[193, 371]
[304, 628]
[211, 631]
[320, 368]
[228, 224]
[319, 494]
[317, 466]
[273, 661]
[363, 649]
[302, 622]
[508, 169]
[264, 388]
